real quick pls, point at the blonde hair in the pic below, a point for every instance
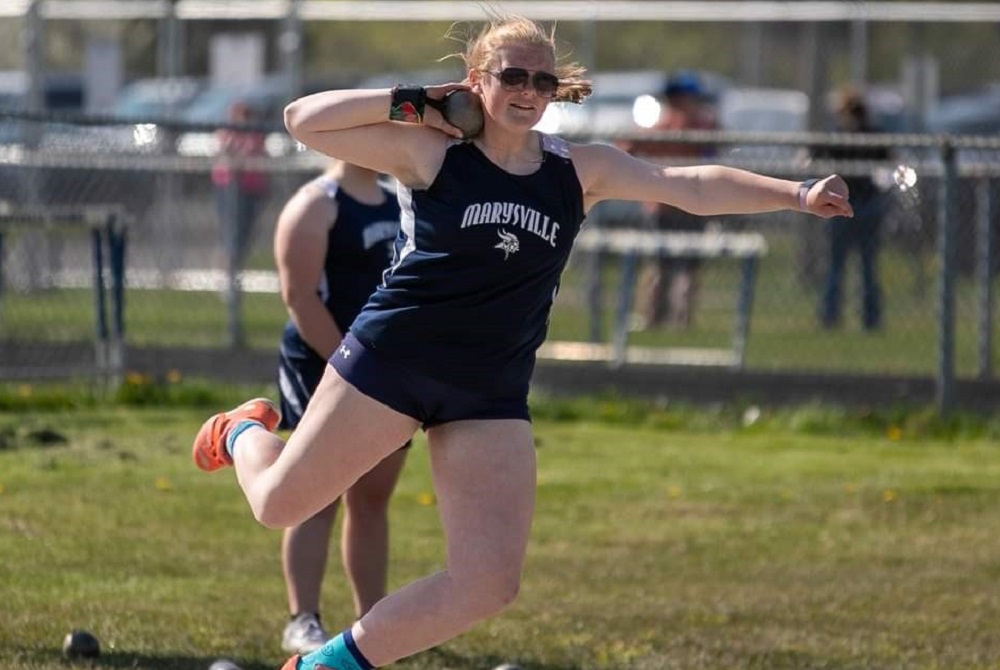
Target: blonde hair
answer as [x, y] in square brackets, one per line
[501, 30]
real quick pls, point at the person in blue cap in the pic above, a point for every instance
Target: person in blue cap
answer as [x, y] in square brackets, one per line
[861, 233]
[668, 284]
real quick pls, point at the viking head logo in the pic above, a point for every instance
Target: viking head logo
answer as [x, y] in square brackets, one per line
[508, 243]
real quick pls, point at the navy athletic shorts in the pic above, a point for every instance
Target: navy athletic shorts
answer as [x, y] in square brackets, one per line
[299, 371]
[424, 398]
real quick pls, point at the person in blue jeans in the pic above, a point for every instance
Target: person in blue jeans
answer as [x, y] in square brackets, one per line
[860, 233]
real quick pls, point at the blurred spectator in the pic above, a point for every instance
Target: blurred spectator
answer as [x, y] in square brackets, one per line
[862, 232]
[667, 285]
[239, 189]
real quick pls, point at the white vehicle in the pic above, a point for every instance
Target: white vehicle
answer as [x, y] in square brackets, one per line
[609, 110]
[763, 110]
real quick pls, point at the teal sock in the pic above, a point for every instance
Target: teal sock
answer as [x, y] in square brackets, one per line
[235, 432]
[340, 653]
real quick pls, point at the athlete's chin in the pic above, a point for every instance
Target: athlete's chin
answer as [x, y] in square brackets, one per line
[523, 119]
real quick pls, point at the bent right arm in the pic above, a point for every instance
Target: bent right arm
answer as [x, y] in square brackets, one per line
[353, 125]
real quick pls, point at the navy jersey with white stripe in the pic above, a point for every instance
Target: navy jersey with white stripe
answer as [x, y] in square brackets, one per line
[477, 267]
[359, 249]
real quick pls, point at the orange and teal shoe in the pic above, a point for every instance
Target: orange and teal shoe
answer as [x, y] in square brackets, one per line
[292, 663]
[209, 450]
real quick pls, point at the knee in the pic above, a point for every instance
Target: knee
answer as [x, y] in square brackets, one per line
[501, 595]
[272, 518]
[491, 594]
[272, 509]
[326, 515]
[367, 503]
[507, 592]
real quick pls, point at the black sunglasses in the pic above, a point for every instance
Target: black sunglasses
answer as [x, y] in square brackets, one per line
[516, 79]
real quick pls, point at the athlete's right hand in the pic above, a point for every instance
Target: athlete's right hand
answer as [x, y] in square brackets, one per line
[433, 117]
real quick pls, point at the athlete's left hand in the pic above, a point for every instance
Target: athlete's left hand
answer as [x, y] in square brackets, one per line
[829, 197]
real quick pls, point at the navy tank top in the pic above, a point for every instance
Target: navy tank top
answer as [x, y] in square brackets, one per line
[359, 249]
[476, 269]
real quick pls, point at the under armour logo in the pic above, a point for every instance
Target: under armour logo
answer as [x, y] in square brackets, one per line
[344, 351]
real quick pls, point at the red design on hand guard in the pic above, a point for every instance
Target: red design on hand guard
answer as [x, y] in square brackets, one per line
[408, 113]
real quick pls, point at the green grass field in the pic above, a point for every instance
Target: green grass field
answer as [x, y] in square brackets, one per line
[664, 538]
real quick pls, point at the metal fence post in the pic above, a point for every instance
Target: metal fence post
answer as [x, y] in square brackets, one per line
[945, 382]
[595, 264]
[116, 232]
[29, 179]
[234, 297]
[744, 303]
[984, 274]
[1, 281]
[290, 46]
[100, 310]
[630, 263]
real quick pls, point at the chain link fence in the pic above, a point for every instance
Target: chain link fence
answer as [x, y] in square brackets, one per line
[111, 243]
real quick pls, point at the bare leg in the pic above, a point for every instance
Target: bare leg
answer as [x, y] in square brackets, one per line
[484, 476]
[304, 550]
[342, 435]
[681, 294]
[649, 293]
[365, 534]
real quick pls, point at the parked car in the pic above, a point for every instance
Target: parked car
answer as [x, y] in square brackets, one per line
[267, 98]
[975, 113]
[623, 101]
[144, 105]
[154, 99]
[62, 93]
[209, 108]
[972, 113]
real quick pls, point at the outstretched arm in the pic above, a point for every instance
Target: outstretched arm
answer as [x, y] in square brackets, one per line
[608, 173]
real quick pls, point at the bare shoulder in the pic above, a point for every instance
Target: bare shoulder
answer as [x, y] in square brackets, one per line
[312, 205]
[594, 161]
[585, 153]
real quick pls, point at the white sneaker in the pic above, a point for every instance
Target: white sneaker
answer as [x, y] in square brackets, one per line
[303, 634]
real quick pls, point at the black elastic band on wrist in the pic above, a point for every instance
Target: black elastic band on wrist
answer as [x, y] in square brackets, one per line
[408, 103]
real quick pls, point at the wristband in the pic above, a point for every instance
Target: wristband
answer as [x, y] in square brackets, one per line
[804, 189]
[408, 103]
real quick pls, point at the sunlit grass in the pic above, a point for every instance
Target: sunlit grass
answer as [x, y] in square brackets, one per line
[739, 537]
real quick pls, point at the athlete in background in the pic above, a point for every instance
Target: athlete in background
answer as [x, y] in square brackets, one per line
[333, 241]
